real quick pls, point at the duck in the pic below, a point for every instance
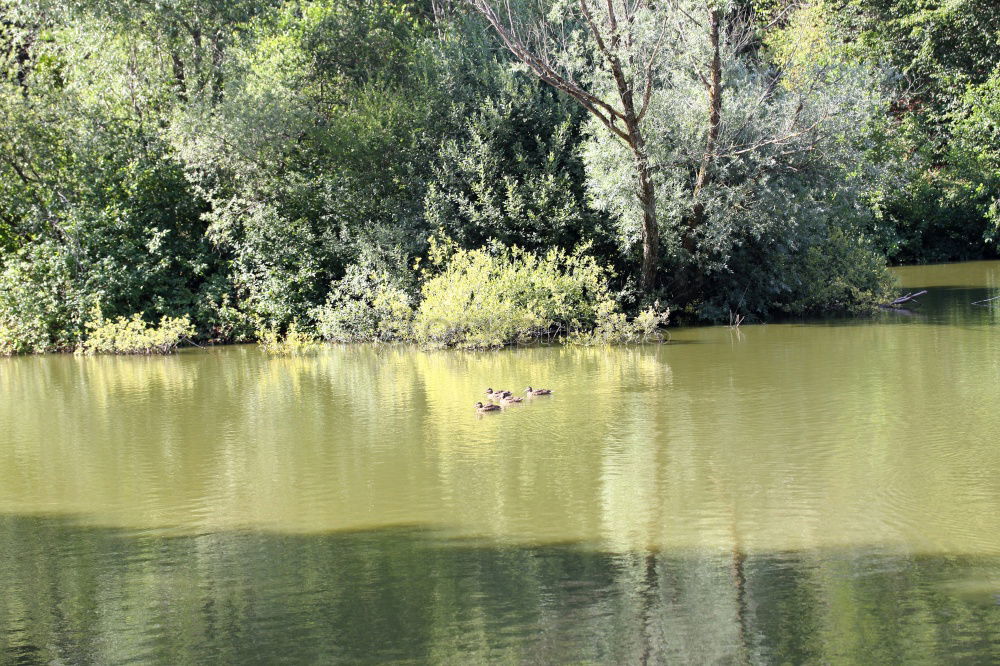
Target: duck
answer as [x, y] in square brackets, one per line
[531, 391]
[489, 407]
[501, 394]
[510, 399]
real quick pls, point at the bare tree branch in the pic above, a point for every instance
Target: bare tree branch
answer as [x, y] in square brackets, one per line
[541, 66]
[612, 31]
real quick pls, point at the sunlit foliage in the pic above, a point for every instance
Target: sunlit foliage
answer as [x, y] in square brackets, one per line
[257, 163]
[484, 299]
[366, 305]
[293, 342]
[131, 335]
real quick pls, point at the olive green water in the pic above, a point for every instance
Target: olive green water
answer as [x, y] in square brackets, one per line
[825, 492]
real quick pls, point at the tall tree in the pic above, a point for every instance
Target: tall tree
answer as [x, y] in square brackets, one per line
[755, 139]
[624, 38]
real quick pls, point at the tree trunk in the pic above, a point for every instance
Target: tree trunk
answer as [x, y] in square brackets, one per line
[179, 80]
[714, 85]
[614, 37]
[646, 190]
[218, 82]
[650, 229]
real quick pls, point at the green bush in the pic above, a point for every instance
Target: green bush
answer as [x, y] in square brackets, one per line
[133, 336]
[614, 328]
[293, 343]
[366, 305]
[485, 299]
[827, 272]
[511, 170]
[839, 275]
[38, 306]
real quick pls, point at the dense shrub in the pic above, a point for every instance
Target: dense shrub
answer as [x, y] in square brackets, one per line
[512, 173]
[492, 298]
[613, 327]
[133, 336]
[38, 306]
[827, 272]
[840, 275]
[366, 305]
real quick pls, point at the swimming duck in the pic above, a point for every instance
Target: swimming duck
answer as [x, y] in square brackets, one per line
[489, 407]
[510, 399]
[501, 394]
[531, 391]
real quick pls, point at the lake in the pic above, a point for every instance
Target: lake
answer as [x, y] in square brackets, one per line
[807, 492]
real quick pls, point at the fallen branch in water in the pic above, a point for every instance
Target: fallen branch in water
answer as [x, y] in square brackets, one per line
[903, 299]
[986, 300]
[190, 341]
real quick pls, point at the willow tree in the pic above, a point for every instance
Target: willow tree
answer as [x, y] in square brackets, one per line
[760, 136]
[605, 56]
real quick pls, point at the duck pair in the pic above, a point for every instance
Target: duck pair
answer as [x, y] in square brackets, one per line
[502, 394]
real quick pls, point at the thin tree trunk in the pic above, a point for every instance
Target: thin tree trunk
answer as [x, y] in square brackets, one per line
[179, 77]
[218, 82]
[646, 191]
[650, 228]
[714, 85]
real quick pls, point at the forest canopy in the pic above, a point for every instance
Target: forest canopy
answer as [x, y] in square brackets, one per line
[250, 165]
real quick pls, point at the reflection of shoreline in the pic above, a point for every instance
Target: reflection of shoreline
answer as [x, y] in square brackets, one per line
[80, 595]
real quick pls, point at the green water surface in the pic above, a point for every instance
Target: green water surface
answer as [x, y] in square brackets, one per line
[823, 492]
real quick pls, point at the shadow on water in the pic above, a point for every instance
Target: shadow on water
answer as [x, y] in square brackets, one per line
[89, 595]
[961, 306]
[956, 306]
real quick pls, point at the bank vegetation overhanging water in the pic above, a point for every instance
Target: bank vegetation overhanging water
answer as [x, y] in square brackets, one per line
[233, 171]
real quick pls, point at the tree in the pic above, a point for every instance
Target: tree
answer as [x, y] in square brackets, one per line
[625, 40]
[945, 54]
[317, 153]
[511, 171]
[96, 207]
[757, 139]
[191, 36]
